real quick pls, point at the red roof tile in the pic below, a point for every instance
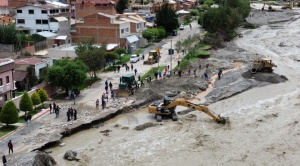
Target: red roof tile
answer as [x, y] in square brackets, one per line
[28, 61]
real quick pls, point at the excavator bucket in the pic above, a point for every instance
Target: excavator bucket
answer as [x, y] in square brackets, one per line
[222, 120]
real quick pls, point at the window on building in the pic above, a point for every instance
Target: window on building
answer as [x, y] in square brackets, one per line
[20, 21]
[5, 97]
[45, 21]
[127, 29]
[56, 11]
[38, 30]
[1, 82]
[44, 11]
[30, 11]
[19, 11]
[67, 10]
[63, 10]
[51, 11]
[38, 21]
[7, 79]
[138, 26]
[122, 30]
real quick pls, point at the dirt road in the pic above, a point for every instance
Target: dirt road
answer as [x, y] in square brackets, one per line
[263, 129]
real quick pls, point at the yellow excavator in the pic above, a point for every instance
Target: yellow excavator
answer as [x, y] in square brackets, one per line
[167, 108]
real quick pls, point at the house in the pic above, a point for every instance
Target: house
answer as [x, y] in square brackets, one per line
[102, 28]
[7, 85]
[88, 7]
[137, 25]
[38, 64]
[43, 17]
[5, 20]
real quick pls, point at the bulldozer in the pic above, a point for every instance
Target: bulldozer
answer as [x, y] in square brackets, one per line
[166, 108]
[154, 56]
[262, 65]
[127, 85]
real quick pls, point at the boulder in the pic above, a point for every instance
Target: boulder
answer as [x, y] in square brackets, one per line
[70, 155]
[171, 93]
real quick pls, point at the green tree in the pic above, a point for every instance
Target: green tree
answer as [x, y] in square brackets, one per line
[43, 96]
[147, 34]
[209, 2]
[120, 51]
[91, 56]
[161, 33]
[111, 56]
[121, 6]
[67, 74]
[25, 103]
[167, 18]
[35, 98]
[9, 113]
[9, 34]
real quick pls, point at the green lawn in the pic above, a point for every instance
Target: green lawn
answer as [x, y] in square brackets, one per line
[151, 71]
[18, 94]
[6, 129]
[138, 51]
[125, 58]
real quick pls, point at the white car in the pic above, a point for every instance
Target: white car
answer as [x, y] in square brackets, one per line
[134, 58]
[181, 27]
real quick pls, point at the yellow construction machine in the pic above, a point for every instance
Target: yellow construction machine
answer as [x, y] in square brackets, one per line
[154, 56]
[167, 108]
[262, 65]
[270, 8]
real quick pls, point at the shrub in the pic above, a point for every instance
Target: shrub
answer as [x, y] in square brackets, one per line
[9, 113]
[43, 96]
[249, 26]
[35, 98]
[25, 103]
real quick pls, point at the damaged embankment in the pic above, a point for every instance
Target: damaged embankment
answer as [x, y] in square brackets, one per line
[71, 130]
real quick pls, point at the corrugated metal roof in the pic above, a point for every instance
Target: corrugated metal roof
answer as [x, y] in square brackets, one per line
[132, 38]
[61, 37]
[46, 34]
[60, 19]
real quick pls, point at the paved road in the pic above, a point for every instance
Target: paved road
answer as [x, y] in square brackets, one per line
[87, 98]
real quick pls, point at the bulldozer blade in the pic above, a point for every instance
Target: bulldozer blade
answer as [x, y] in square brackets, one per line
[123, 93]
[147, 62]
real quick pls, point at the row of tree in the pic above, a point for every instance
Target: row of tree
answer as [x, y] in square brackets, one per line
[9, 113]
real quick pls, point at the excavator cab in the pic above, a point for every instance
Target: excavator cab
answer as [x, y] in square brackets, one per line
[167, 101]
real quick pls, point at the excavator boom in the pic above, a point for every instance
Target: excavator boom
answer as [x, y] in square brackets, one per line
[167, 108]
[193, 106]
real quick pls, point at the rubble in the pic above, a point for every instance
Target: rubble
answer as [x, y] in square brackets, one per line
[70, 155]
[145, 125]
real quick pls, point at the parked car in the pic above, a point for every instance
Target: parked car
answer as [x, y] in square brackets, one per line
[134, 58]
[181, 27]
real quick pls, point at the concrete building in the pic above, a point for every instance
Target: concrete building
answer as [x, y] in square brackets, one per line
[38, 64]
[48, 17]
[102, 28]
[7, 84]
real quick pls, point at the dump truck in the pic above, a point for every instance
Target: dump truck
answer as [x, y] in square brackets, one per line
[262, 65]
[154, 56]
[127, 86]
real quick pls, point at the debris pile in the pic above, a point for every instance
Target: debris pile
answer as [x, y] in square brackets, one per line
[144, 126]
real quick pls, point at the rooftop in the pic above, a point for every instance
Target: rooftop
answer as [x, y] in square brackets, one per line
[6, 61]
[28, 61]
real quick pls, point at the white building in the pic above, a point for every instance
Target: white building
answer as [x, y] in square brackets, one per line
[48, 17]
